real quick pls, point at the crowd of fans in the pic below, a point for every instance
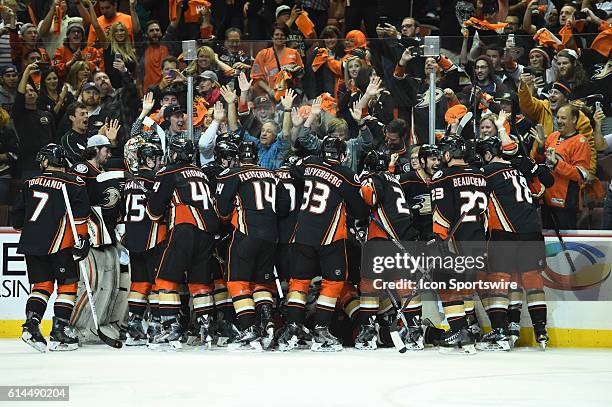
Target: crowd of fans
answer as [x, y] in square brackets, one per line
[286, 73]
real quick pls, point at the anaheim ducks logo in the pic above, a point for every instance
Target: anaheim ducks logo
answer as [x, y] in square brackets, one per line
[424, 98]
[111, 197]
[423, 204]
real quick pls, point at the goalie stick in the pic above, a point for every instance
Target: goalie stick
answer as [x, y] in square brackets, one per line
[107, 340]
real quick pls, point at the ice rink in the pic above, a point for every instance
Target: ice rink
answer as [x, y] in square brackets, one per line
[102, 376]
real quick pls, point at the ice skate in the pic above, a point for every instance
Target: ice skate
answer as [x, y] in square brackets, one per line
[266, 325]
[31, 333]
[136, 335]
[153, 331]
[474, 328]
[206, 332]
[63, 336]
[324, 341]
[541, 336]
[247, 340]
[225, 332]
[170, 336]
[412, 337]
[514, 330]
[495, 341]
[289, 338]
[304, 337]
[457, 342]
[366, 339]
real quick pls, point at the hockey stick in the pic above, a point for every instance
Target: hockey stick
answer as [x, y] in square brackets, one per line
[109, 341]
[553, 215]
[464, 120]
[395, 337]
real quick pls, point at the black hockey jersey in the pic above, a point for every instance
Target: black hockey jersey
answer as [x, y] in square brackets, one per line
[40, 213]
[182, 190]
[247, 194]
[329, 191]
[286, 224]
[141, 232]
[454, 191]
[417, 192]
[511, 206]
[383, 193]
[103, 195]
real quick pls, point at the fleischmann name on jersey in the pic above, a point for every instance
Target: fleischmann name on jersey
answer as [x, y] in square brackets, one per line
[247, 175]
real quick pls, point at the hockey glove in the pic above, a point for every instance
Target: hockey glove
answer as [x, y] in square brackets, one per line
[525, 166]
[80, 250]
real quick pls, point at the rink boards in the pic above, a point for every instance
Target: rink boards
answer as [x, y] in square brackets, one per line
[578, 303]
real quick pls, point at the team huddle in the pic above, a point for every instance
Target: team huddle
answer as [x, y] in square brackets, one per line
[270, 258]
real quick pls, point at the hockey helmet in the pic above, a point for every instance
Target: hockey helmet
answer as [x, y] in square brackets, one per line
[184, 149]
[491, 144]
[332, 149]
[248, 151]
[454, 145]
[427, 150]
[375, 161]
[54, 153]
[148, 150]
[226, 150]
[231, 137]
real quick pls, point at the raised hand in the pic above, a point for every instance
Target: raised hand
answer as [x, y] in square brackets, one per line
[356, 113]
[501, 119]
[374, 86]
[148, 102]
[218, 112]
[243, 83]
[113, 129]
[315, 110]
[296, 118]
[287, 100]
[228, 94]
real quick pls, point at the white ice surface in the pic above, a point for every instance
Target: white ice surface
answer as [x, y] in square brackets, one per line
[101, 376]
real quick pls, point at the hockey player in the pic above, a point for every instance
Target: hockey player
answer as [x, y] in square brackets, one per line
[416, 186]
[51, 254]
[383, 193]
[181, 189]
[143, 238]
[248, 195]
[226, 156]
[104, 197]
[458, 195]
[330, 191]
[512, 218]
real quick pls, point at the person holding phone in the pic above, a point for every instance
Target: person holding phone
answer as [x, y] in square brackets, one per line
[35, 127]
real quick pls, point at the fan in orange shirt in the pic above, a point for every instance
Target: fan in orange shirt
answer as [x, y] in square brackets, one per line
[110, 16]
[277, 68]
[75, 49]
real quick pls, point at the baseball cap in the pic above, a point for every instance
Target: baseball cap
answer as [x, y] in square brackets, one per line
[210, 75]
[4, 69]
[262, 101]
[90, 86]
[171, 110]
[282, 9]
[98, 141]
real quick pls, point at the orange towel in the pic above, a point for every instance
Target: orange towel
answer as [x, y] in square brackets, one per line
[192, 15]
[484, 24]
[603, 42]
[320, 58]
[305, 25]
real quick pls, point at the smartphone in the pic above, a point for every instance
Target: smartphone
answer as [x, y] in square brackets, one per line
[382, 20]
[527, 70]
[43, 65]
[171, 73]
[416, 51]
[598, 105]
[540, 130]
[118, 56]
